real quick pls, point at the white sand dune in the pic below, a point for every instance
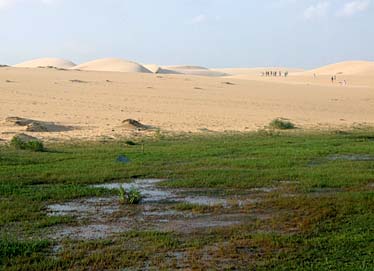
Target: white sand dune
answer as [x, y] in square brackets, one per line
[154, 68]
[187, 67]
[159, 70]
[194, 70]
[166, 71]
[112, 65]
[47, 62]
[346, 68]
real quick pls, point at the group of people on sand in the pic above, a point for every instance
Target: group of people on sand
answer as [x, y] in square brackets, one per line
[334, 79]
[274, 73]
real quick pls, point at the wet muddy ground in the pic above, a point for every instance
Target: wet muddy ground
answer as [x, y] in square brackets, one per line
[341, 157]
[102, 217]
[166, 209]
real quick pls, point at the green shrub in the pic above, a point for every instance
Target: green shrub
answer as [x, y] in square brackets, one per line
[130, 143]
[132, 196]
[32, 144]
[281, 124]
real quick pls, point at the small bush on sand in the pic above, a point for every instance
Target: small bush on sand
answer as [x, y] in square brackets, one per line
[132, 196]
[281, 124]
[24, 142]
[130, 143]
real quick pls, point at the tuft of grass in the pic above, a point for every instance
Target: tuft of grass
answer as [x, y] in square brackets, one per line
[32, 145]
[281, 124]
[122, 195]
[132, 196]
[13, 248]
[195, 208]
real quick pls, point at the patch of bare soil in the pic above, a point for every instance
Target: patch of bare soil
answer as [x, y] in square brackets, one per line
[36, 125]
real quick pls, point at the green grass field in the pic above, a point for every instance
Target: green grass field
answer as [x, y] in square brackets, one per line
[327, 223]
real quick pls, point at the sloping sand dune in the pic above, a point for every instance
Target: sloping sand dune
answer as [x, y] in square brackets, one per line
[346, 68]
[47, 62]
[166, 71]
[152, 67]
[187, 67]
[194, 70]
[112, 65]
[159, 70]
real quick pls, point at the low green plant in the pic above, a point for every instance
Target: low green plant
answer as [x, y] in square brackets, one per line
[195, 208]
[13, 248]
[281, 124]
[132, 196]
[33, 145]
[122, 195]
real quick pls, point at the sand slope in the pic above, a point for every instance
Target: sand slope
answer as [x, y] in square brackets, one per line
[159, 70]
[112, 65]
[346, 68]
[194, 70]
[95, 104]
[46, 62]
[152, 67]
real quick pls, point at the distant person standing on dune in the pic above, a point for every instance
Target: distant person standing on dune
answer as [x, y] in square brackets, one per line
[332, 79]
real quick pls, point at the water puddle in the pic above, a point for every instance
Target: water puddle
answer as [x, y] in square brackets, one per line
[350, 157]
[102, 217]
[89, 232]
[100, 208]
[207, 201]
[342, 157]
[146, 187]
[151, 193]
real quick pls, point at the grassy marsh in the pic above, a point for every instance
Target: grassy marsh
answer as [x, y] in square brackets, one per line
[320, 219]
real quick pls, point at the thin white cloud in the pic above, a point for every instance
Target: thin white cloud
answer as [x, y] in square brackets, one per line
[281, 3]
[316, 11]
[6, 3]
[198, 19]
[9, 3]
[353, 7]
[49, 2]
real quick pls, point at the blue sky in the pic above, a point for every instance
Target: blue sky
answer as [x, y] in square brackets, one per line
[213, 33]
